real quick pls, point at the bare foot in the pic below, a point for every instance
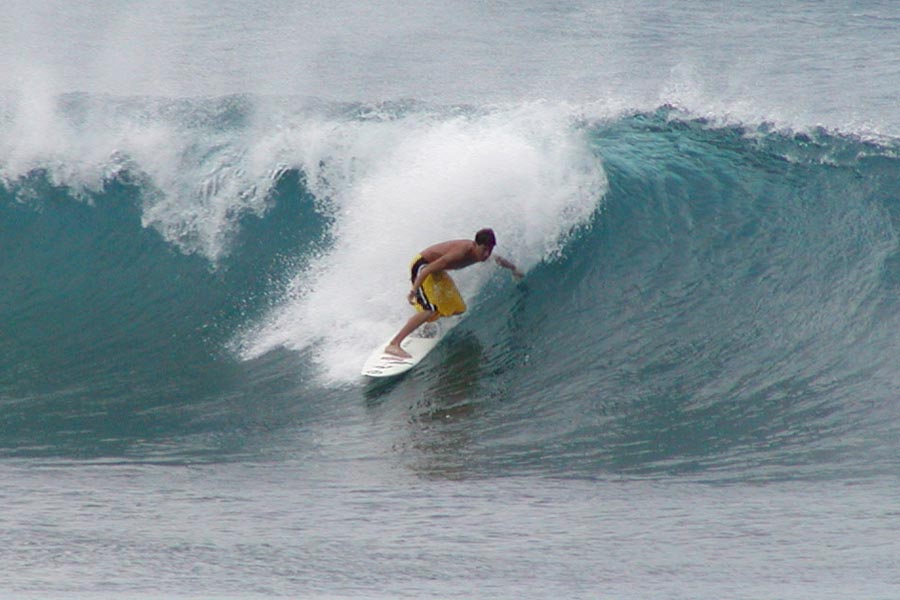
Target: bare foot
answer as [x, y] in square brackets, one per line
[395, 350]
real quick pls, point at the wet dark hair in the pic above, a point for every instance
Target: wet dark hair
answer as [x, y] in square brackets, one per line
[485, 237]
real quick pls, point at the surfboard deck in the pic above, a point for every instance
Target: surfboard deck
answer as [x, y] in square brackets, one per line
[419, 343]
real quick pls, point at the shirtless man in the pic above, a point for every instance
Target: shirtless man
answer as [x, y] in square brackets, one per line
[433, 292]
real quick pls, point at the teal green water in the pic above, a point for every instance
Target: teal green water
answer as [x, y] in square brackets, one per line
[732, 303]
[206, 213]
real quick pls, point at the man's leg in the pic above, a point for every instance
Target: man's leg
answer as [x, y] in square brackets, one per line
[393, 348]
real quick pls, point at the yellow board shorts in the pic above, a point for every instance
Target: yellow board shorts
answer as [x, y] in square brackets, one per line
[438, 292]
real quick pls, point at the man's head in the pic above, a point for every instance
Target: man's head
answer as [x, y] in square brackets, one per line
[486, 240]
[485, 237]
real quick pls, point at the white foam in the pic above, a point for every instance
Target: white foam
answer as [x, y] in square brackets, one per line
[197, 179]
[397, 186]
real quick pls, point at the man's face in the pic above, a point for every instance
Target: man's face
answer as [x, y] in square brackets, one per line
[484, 252]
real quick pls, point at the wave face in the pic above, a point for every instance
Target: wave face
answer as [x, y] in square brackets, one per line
[701, 297]
[733, 308]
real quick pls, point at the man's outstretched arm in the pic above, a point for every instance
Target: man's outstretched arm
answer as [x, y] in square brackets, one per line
[508, 265]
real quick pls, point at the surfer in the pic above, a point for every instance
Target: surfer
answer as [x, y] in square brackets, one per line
[434, 293]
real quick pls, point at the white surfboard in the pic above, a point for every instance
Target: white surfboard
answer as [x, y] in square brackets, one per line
[419, 343]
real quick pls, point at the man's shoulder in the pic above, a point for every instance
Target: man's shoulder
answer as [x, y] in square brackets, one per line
[463, 246]
[460, 249]
[449, 248]
[452, 254]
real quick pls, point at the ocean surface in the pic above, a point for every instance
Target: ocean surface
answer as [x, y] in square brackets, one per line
[207, 210]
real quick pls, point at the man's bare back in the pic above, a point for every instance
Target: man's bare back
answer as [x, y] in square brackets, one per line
[454, 254]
